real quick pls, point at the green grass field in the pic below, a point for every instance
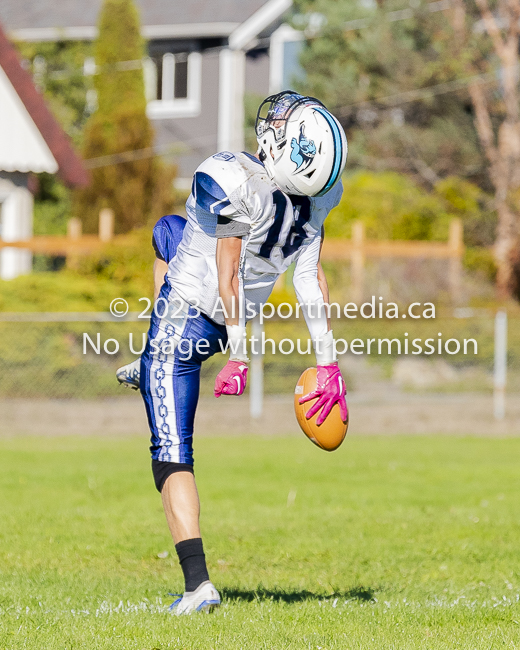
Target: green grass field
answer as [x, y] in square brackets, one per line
[392, 543]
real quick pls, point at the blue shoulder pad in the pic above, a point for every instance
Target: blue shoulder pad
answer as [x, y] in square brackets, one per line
[208, 194]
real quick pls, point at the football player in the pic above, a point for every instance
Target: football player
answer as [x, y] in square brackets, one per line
[167, 234]
[249, 218]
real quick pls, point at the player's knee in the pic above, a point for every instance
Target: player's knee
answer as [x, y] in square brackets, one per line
[162, 470]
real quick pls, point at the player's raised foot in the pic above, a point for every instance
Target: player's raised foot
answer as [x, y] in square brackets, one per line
[204, 599]
[129, 375]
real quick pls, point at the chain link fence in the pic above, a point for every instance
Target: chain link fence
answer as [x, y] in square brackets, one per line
[55, 358]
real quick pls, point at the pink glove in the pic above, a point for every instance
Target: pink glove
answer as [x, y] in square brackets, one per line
[330, 389]
[231, 380]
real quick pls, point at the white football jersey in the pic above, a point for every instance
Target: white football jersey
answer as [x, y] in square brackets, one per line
[232, 196]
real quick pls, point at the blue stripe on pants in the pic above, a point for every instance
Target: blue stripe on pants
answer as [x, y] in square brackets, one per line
[170, 380]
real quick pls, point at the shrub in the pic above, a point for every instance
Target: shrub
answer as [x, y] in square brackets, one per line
[140, 185]
[391, 206]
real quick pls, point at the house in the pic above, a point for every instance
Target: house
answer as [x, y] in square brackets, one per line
[204, 56]
[31, 141]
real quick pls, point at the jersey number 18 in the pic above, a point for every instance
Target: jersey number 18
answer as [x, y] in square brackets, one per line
[296, 235]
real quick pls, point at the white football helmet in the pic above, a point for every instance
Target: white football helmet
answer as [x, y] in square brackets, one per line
[302, 145]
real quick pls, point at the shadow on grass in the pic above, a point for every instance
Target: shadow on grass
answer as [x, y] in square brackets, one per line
[364, 594]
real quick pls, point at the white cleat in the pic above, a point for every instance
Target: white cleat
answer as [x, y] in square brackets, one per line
[129, 375]
[204, 599]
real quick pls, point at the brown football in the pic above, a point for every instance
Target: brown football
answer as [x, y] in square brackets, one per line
[331, 433]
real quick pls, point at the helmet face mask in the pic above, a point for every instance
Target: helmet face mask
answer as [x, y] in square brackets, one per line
[302, 146]
[275, 111]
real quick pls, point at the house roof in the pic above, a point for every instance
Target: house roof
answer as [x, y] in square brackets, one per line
[76, 19]
[28, 110]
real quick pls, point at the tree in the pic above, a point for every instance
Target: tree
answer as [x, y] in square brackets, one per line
[57, 70]
[118, 136]
[497, 115]
[429, 92]
[366, 62]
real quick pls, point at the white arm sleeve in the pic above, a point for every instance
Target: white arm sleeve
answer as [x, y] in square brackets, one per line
[310, 297]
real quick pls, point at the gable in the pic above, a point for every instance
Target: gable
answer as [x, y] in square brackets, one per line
[18, 88]
[23, 147]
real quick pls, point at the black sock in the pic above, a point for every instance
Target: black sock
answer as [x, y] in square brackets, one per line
[193, 562]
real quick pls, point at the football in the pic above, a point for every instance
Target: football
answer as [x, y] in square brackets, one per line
[332, 432]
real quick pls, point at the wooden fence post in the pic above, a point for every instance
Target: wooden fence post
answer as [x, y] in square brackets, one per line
[106, 224]
[456, 245]
[358, 261]
[500, 366]
[74, 228]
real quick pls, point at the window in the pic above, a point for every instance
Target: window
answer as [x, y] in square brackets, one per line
[180, 79]
[285, 68]
[172, 84]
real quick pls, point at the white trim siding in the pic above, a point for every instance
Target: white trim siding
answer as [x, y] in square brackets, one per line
[89, 33]
[231, 100]
[16, 208]
[189, 30]
[232, 73]
[261, 19]
[168, 78]
[225, 94]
